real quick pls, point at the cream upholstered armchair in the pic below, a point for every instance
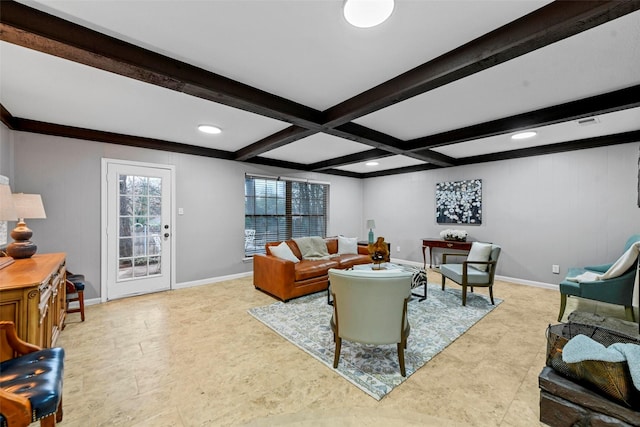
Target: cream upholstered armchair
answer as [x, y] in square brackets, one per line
[478, 270]
[370, 307]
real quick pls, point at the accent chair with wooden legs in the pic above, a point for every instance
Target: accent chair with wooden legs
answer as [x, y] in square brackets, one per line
[478, 270]
[615, 290]
[370, 307]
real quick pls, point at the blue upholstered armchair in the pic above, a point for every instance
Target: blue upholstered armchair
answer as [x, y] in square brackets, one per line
[617, 290]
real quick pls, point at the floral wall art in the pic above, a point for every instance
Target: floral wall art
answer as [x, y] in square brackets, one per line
[459, 202]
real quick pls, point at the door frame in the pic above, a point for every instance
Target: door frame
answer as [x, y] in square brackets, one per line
[104, 186]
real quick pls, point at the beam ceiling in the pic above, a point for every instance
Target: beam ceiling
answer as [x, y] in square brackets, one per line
[37, 30]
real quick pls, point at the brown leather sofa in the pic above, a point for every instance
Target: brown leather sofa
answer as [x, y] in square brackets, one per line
[285, 279]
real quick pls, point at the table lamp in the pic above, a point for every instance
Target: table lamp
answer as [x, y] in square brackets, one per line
[27, 206]
[7, 213]
[371, 224]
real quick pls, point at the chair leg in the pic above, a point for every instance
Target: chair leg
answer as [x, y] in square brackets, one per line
[81, 301]
[337, 355]
[443, 279]
[403, 372]
[464, 295]
[563, 305]
[49, 421]
[59, 412]
[629, 314]
[491, 294]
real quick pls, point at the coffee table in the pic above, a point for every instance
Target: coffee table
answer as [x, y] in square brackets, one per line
[385, 266]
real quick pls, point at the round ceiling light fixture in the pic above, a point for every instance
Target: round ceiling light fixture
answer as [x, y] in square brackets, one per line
[367, 13]
[524, 135]
[214, 130]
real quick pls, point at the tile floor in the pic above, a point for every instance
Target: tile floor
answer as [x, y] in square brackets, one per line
[194, 357]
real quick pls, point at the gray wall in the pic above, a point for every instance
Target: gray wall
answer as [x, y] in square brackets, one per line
[571, 209]
[210, 234]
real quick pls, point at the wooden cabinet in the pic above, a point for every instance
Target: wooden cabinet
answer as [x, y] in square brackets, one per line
[32, 295]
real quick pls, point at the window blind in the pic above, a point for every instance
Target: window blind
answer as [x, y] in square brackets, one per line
[278, 209]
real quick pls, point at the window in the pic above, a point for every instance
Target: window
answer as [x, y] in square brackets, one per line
[278, 209]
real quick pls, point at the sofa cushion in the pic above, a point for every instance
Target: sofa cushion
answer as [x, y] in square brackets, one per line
[332, 245]
[349, 260]
[347, 245]
[283, 251]
[474, 276]
[308, 269]
[36, 376]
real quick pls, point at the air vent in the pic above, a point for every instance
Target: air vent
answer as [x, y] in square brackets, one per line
[588, 121]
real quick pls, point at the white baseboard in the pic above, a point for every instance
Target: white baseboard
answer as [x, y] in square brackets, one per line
[212, 280]
[503, 278]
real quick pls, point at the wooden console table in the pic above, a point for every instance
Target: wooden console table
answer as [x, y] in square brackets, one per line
[32, 296]
[440, 243]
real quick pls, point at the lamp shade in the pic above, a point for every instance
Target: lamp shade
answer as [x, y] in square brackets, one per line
[7, 206]
[29, 206]
[371, 223]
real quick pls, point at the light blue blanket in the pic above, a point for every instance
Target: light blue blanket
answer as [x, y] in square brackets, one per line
[581, 348]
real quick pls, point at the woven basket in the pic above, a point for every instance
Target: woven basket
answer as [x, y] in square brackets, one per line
[609, 378]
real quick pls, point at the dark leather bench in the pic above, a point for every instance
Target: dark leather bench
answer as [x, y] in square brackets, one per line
[30, 381]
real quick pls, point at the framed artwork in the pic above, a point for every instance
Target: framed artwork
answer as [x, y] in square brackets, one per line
[459, 202]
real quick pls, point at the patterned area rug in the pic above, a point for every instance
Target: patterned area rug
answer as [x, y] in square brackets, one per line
[435, 323]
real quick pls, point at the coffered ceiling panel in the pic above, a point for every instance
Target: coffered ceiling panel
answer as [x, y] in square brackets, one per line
[597, 61]
[46, 88]
[316, 148]
[584, 129]
[303, 50]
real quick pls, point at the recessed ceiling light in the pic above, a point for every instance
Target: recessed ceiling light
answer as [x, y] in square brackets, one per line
[367, 13]
[209, 129]
[524, 135]
[371, 164]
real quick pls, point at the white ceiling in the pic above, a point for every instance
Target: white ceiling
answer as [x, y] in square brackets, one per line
[305, 51]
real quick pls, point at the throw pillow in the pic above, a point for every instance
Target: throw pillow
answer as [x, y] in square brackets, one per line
[419, 278]
[283, 251]
[479, 252]
[347, 245]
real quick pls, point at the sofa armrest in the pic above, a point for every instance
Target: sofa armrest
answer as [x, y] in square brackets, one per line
[602, 268]
[11, 336]
[272, 274]
[16, 409]
[618, 290]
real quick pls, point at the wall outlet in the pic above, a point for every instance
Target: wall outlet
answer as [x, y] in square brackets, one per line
[397, 248]
[555, 269]
[180, 211]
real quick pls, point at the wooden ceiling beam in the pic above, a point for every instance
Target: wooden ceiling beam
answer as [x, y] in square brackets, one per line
[365, 135]
[349, 159]
[33, 29]
[34, 126]
[271, 142]
[549, 24]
